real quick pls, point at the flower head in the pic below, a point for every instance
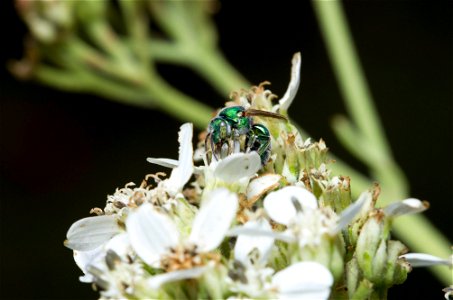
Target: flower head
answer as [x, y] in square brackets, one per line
[297, 209]
[157, 241]
[262, 218]
[251, 276]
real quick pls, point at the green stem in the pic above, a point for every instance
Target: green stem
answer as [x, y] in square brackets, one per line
[86, 82]
[108, 40]
[348, 71]
[155, 93]
[167, 52]
[193, 44]
[363, 291]
[413, 230]
[209, 63]
[178, 104]
[215, 69]
[85, 57]
[136, 22]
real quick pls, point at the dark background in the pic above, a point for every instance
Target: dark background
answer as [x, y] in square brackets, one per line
[62, 153]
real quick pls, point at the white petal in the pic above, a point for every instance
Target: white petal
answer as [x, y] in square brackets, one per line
[151, 233]
[425, 260]
[213, 219]
[448, 292]
[406, 207]
[83, 259]
[199, 170]
[120, 244]
[181, 174]
[156, 281]
[285, 236]
[89, 233]
[96, 257]
[351, 211]
[199, 154]
[246, 243]
[164, 162]
[237, 166]
[290, 176]
[293, 86]
[303, 280]
[261, 185]
[279, 205]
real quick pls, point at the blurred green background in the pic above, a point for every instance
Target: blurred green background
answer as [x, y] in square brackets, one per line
[62, 153]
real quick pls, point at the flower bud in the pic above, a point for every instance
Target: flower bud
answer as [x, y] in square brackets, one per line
[337, 194]
[378, 257]
[47, 20]
[356, 227]
[357, 286]
[291, 164]
[313, 155]
[352, 276]
[371, 247]
[325, 249]
[397, 269]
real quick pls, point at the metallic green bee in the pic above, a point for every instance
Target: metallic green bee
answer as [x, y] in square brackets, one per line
[234, 123]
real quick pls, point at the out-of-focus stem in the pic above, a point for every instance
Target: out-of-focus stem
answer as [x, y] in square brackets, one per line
[170, 100]
[216, 70]
[178, 104]
[209, 63]
[86, 82]
[349, 72]
[415, 231]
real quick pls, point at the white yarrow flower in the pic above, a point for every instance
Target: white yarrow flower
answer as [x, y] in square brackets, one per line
[84, 259]
[247, 243]
[303, 280]
[283, 205]
[297, 208]
[155, 237]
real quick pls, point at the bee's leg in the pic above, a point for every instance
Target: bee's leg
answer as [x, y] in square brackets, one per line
[265, 151]
[265, 155]
[236, 143]
[214, 150]
[206, 151]
[249, 143]
[225, 149]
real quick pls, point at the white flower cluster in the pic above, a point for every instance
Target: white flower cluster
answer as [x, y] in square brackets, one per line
[241, 230]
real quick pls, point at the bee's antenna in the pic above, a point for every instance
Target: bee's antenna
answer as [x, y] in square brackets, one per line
[263, 113]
